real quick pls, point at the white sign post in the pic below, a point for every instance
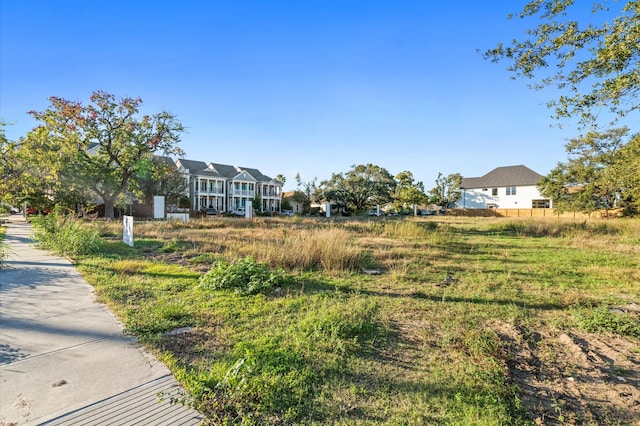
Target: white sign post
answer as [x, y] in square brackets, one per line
[327, 208]
[248, 211]
[158, 207]
[127, 230]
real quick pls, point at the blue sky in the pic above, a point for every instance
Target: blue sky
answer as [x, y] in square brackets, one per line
[290, 86]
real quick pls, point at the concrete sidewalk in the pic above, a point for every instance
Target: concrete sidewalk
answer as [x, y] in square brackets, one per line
[63, 357]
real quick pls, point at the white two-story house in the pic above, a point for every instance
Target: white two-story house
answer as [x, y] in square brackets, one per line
[269, 190]
[508, 187]
[207, 187]
[226, 188]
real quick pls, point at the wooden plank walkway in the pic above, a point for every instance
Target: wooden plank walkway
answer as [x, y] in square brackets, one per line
[137, 406]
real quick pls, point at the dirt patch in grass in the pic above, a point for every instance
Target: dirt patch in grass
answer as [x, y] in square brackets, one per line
[199, 345]
[574, 377]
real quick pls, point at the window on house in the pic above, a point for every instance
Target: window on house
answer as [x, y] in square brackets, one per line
[511, 190]
[494, 191]
[540, 204]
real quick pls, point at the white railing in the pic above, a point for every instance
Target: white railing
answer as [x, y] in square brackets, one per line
[242, 193]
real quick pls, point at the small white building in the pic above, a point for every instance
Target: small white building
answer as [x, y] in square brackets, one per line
[510, 187]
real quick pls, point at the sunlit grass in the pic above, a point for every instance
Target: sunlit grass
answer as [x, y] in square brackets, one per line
[413, 345]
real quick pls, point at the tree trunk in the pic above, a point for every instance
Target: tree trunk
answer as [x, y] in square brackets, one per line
[109, 205]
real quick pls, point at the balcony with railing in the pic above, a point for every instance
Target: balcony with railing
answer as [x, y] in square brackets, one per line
[209, 187]
[271, 191]
[242, 192]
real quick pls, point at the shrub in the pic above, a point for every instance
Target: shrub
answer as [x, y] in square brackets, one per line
[4, 249]
[270, 384]
[184, 202]
[65, 235]
[246, 276]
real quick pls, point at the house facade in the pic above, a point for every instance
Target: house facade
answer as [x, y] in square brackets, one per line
[269, 190]
[510, 187]
[227, 188]
[296, 206]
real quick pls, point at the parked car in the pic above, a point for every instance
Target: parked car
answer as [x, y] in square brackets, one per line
[239, 212]
[33, 211]
[10, 208]
[287, 212]
[373, 213]
[210, 212]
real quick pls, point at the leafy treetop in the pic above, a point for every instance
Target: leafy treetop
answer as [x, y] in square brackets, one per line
[595, 63]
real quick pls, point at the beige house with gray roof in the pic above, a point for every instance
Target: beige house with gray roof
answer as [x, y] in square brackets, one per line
[510, 187]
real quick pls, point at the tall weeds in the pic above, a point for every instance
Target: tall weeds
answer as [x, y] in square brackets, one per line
[542, 228]
[329, 249]
[65, 235]
[4, 249]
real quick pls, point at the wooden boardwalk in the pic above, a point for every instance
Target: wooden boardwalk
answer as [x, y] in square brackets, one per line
[138, 406]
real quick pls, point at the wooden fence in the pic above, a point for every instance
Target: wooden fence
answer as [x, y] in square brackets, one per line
[552, 213]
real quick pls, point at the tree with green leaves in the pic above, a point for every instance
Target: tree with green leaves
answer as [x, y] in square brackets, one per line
[363, 186]
[305, 193]
[24, 181]
[335, 191]
[408, 193]
[156, 175]
[10, 168]
[99, 146]
[256, 203]
[625, 172]
[585, 182]
[594, 63]
[447, 190]
[281, 178]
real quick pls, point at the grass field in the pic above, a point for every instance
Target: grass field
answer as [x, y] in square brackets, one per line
[440, 320]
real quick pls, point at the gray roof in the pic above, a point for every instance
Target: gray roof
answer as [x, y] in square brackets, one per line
[221, 170]
[256, 174]
[502, 177]
[225, 170]
[198, 168]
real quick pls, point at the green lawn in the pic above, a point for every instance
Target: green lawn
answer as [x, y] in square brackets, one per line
[337, 346]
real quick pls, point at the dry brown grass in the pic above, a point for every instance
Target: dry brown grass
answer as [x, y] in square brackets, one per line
[280, 243]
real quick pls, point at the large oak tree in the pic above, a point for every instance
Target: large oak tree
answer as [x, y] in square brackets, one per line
[363, 186]
[99, 146]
